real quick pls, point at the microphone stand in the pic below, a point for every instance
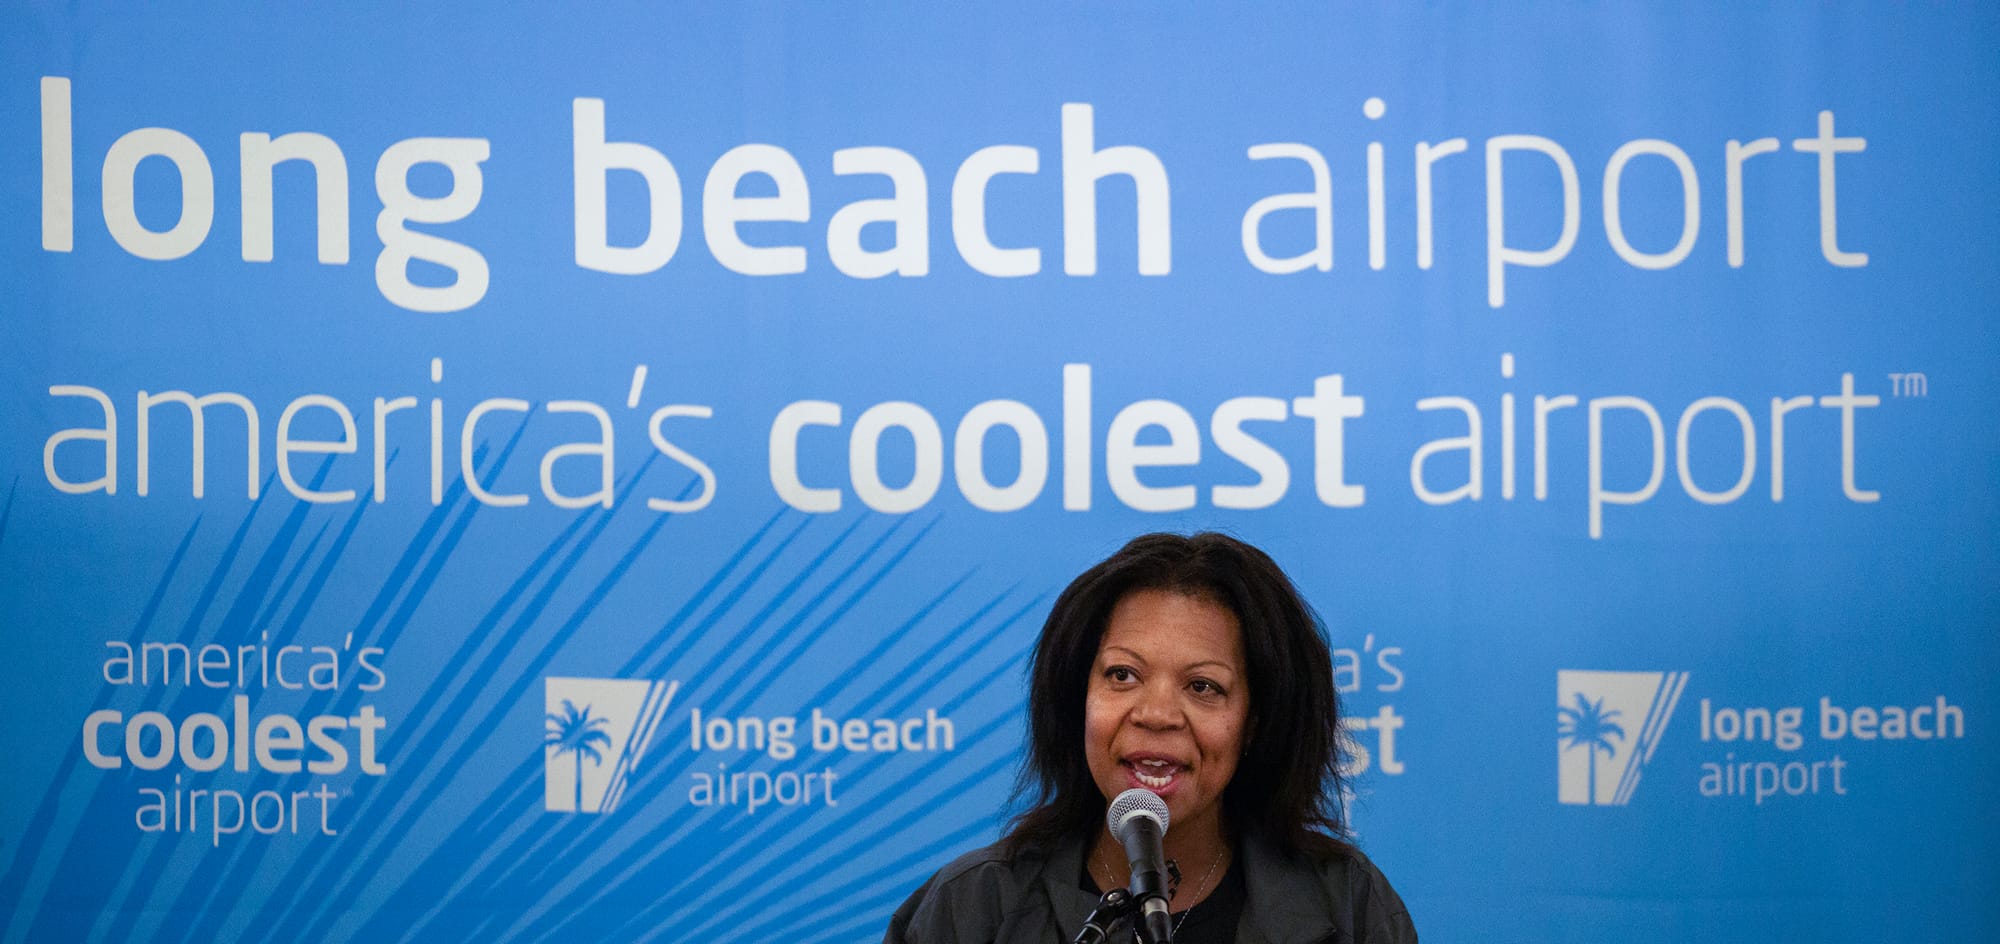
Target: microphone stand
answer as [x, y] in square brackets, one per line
[1117, 907]
[1114, 907]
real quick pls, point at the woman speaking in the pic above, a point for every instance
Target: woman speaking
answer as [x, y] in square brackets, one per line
[1190, 667]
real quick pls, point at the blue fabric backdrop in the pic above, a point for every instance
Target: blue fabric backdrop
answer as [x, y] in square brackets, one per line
[587, 473]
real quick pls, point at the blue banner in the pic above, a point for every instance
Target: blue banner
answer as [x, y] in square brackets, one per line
[597, 473]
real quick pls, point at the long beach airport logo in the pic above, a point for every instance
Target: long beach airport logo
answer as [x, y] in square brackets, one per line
[1607, 725]
[594, 734]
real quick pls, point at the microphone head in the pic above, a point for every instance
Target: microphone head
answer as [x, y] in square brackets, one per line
[1137, 801]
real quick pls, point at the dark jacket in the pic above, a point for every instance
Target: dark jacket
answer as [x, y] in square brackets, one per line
[984, 897]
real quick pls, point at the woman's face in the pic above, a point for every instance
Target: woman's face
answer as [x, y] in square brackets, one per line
[1168, 702]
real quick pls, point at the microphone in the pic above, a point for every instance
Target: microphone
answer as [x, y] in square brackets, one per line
[1138, 820]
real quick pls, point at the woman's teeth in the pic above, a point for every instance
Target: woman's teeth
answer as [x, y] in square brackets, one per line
[1155, 774]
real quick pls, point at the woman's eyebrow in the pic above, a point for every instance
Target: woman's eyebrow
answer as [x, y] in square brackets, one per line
[1128, 654]
[1124, 653]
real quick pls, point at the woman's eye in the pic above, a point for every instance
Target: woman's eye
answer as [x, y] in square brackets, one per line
[1119, 673]
[1205, 687]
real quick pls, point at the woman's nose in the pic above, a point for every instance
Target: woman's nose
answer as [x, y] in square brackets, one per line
[1157, 708]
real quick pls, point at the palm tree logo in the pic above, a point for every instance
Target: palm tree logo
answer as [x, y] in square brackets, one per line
[575, 732]
[1588, 726]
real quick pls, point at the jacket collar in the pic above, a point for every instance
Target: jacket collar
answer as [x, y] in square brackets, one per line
[1285, 903]
[1059, 880]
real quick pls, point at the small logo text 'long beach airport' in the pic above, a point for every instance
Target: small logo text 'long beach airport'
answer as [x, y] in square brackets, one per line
[594, 733]
[1607, 725]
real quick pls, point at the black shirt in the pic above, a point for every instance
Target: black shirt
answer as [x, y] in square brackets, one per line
[1213, 920]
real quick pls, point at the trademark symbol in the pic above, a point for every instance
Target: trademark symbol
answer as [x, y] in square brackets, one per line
[1909, 384]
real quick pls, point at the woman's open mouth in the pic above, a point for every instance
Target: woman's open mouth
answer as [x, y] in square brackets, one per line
[1154, 773]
